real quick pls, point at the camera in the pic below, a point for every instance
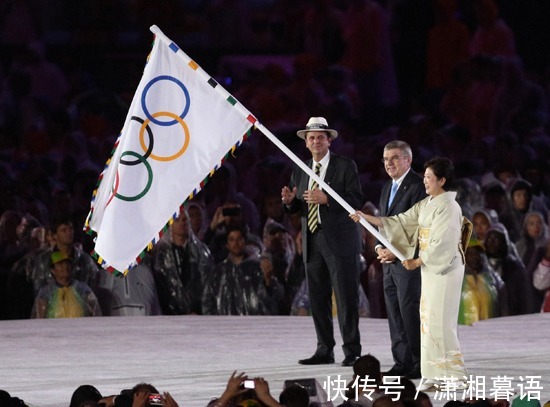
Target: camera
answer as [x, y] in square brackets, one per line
[248, 384]
[231, 211]
[155, 399]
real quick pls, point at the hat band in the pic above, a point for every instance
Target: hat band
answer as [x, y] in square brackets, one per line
[317, 126]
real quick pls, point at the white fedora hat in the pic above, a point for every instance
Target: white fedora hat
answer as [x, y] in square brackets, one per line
[317, 124]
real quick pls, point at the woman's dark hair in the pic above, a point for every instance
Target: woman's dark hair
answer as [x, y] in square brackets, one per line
[442, 167]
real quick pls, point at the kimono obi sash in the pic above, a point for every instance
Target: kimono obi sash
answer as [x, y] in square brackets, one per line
[423, 234]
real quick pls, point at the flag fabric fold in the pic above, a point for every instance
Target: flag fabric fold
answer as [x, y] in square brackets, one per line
[180, 127]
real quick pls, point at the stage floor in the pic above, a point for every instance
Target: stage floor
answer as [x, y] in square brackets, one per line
[44, 361]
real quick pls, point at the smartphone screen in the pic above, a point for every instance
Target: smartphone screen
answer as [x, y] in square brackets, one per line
[155, 399]
[248, 384]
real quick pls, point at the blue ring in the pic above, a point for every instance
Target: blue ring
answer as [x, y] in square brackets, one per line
[151, 83]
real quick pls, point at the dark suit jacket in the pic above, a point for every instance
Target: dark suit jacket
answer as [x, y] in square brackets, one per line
[409, 193]
[342, 234]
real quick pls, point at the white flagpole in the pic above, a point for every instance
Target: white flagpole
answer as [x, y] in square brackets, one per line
[155, 30]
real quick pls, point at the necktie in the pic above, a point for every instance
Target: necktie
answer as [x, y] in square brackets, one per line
[394, 188]
[313, 209]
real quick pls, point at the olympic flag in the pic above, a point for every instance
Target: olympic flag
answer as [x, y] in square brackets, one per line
[180, 127]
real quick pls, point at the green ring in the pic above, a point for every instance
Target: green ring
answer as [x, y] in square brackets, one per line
[149, 181]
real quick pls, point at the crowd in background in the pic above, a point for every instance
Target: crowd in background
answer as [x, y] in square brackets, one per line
[461, 79]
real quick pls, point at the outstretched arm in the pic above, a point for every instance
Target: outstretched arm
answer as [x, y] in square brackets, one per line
[375, 220]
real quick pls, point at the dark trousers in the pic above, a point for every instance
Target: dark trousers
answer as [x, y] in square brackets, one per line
[402, 294]
[325, 272]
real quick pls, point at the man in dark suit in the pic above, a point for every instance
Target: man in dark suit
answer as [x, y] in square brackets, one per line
[401, 287]
[331, 242]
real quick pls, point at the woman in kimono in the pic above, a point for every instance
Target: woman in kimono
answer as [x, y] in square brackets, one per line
[434, 226]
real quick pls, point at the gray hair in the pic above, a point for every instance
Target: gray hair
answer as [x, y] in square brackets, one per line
[400, 144]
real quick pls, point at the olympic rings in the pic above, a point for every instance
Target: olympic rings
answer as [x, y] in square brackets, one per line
[140, 158]
[148, 148]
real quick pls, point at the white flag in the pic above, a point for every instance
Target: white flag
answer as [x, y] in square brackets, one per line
[180, 127]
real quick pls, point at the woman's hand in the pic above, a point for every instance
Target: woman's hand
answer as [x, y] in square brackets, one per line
[357, 216]
[375, 220]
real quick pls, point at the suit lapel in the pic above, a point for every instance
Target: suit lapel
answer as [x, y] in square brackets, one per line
[385, 198]
[305, 177]
[331, 170]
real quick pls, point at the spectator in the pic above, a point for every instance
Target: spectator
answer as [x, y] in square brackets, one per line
[180, 263]
[523, 201]
[198, 219]
[6, 400]
[294, 396]
[364, 388]
[241, 284]
[10, 252]
[10, 248]
[534, 235]
[84, 267]
[423, 400]
[221, 190]
[541, 278]
[272, 211]
[230, 215]
[482, 220]
[242, 391]
[483, 290]
[496, 199]
[503, 259]
[32, 271]
[140, 396]
[129, 295]
[468, 196]
[83, 394]
[65, 297]
[280, 252]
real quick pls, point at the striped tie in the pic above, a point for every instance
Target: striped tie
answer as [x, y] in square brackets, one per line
[313, 209]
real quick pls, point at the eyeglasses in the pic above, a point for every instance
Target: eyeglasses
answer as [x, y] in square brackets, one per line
[394, 159]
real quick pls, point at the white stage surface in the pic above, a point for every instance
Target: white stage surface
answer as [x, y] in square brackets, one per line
[44, 361]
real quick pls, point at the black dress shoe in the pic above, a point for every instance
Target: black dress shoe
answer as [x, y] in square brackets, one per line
[414, 374]
[349, 360]
[317, 360]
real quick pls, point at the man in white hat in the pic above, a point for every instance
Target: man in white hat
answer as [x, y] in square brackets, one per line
[331, 241]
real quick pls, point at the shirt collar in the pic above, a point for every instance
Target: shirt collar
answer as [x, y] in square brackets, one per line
[400, 179]
[324, 161]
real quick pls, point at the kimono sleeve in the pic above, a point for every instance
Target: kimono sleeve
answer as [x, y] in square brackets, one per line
[402, 230]
[443, 238]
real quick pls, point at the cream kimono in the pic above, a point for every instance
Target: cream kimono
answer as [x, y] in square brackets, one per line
[434, 225]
